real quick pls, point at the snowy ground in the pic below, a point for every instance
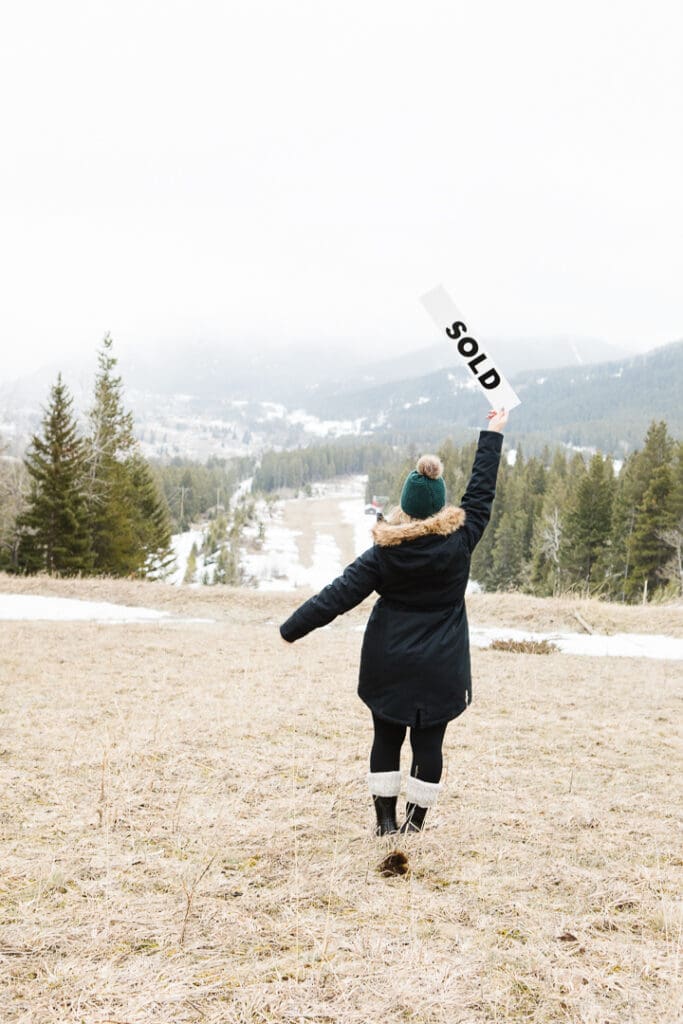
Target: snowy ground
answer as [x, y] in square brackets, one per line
[620, 645]
[278, 564]
[32, 608]
[182, 546]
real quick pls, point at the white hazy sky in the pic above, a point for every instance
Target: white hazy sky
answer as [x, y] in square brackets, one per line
[303, 170]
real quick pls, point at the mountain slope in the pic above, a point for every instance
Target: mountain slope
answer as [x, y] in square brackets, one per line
[608, 405]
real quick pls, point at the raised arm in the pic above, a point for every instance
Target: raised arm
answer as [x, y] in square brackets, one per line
[357, 582]
[478, 498]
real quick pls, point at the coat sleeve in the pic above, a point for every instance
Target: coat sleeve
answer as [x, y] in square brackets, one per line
[478, 498]
[357, 582]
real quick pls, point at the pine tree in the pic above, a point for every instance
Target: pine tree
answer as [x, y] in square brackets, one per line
[129, 522]
[649, 552]
[587, 524]
[631, 567]
[151, 518]
[191, 568]
[54, 531]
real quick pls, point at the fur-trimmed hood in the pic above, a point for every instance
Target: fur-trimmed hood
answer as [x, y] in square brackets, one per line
[400, 527]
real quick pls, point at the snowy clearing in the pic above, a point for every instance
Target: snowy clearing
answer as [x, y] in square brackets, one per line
[280, 565]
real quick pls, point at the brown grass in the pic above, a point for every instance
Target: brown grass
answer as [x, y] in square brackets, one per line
[186, 833]
[524, 646]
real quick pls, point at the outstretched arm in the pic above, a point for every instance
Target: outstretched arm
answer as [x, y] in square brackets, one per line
[355, 584]
[478, 498]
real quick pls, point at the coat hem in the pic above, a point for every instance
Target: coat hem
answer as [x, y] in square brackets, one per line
[423, 724]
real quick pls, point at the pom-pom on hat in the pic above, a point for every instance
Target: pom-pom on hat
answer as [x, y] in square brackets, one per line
[424, 492]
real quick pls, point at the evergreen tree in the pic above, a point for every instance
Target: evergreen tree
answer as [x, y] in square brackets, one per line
[191, 569]
[227, 570]
[151, 518]
[54, 531]
[129, 524]
[587, 524]
[637, 520]
[508, 551]
[649, 551]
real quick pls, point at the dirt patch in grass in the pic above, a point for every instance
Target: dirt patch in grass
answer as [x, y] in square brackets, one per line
[322, 516]
[186, 834]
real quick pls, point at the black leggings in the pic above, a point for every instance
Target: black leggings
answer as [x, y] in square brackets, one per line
[426, 742]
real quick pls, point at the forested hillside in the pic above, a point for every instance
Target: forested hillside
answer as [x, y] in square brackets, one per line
[606, 406]
[564, 522]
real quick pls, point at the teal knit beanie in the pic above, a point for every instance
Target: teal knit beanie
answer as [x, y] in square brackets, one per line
[424, 492]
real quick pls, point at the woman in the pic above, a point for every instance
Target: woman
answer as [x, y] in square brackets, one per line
[415, 660]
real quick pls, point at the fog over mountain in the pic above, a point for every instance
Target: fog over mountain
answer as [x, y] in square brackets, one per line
[202, 401]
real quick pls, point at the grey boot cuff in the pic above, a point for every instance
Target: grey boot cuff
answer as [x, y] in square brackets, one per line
[384, 783]
[424, 794]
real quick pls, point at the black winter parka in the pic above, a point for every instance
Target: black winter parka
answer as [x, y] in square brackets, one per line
[415, 659]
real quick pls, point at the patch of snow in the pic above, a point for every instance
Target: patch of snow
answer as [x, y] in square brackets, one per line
[323, 428]
[277, 565]
[241, 491]
[581, 448]
[458, 384]
[621, 645]
[33, 608]
[326, 562]
[576, 353]
[181, 543]
[274, 567]
[353, 513]
[273, 410]
[512, 456]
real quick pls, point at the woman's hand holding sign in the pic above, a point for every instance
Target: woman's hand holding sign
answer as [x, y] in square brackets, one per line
[497, 419]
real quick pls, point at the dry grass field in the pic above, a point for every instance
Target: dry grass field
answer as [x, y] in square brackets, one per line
[186, 833]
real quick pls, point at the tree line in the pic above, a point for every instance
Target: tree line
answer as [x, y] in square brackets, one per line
[195, 490]
[84, 502]
[88, 502]
[300, 467]
[566, 523]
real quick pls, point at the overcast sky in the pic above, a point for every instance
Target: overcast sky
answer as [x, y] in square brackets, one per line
[301, 171]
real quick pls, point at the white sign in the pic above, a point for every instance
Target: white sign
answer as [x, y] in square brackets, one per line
[478, 359]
